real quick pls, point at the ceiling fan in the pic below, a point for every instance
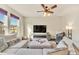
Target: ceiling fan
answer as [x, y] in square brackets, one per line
[47, 10]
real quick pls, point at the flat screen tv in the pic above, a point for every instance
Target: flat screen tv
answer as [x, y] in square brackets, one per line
[39, 28]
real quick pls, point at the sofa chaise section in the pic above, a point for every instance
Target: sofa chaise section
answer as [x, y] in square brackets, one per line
[13, 49]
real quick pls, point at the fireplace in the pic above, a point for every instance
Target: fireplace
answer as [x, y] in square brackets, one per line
[39, 31]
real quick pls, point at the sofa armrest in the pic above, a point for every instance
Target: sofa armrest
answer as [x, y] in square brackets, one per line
[3, 53]
[76, 49]
[20, 44]
[59, 51]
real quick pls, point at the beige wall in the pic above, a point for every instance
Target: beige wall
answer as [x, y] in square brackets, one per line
[71, 15]
[75, 25]
[54, 23]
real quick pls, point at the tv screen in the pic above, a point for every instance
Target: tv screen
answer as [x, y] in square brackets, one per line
[39, 28]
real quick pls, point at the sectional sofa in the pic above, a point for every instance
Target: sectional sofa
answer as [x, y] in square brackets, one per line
[20, 48]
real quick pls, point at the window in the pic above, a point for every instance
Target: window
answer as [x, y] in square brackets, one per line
[3, 21]
[3, 15]
[14, 23]
[1, 18]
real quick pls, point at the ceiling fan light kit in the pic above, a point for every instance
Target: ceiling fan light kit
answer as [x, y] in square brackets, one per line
[46, 14]
[47, 10]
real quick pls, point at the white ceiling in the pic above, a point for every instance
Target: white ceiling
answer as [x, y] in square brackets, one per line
[29, 10]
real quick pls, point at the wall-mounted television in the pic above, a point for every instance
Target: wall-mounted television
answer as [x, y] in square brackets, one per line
[39, 28]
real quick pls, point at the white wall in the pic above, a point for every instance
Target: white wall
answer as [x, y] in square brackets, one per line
[54, 24]
[71, 15]
[75, 26]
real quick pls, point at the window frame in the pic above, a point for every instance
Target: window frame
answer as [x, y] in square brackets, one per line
[15, 17]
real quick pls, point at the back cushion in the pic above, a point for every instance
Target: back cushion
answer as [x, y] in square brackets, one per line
[35, 39]
[61, 44]
[3, 44]
[42, 40]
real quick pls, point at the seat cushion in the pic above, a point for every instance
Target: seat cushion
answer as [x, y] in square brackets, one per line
[45, 51]
[23, 51]
[45, 45]
[34, 44]
[11, 51]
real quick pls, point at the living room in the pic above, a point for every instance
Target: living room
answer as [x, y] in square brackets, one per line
[64, 18]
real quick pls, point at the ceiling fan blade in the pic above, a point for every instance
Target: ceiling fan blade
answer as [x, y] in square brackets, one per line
[54, 6]
[50, 12]
[40, 11]
[43, 5]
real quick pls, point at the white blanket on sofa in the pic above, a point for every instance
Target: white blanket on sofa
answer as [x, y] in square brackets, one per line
[39, 43]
